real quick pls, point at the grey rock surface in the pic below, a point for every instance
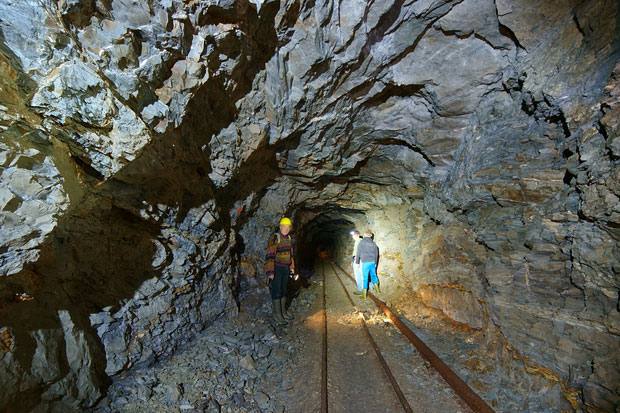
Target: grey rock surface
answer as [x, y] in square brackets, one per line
[32, 196]
[147, 150]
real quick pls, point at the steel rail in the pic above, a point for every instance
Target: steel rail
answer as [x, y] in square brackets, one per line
[386, 368]
[462, 389]
[324, 404]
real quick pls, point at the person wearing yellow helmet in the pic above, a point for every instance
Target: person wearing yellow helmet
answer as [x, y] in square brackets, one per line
[279, 264]
[287, 223]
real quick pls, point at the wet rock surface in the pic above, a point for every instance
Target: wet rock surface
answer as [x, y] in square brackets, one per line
[148, 148]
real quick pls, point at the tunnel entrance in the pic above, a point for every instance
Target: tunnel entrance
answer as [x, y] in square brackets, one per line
[326, 232]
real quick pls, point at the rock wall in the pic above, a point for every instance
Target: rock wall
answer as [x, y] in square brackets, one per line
[148, 148]
[476, 174]
[116, 247]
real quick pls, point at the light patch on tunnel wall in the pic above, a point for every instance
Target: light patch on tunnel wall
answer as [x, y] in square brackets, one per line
[394, 230]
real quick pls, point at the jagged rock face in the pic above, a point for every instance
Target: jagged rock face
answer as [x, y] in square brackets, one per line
[148, 148]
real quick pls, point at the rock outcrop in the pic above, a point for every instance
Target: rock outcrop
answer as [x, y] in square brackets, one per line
[147, 149]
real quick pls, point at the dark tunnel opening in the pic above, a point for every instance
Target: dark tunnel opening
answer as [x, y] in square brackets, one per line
[326, 233]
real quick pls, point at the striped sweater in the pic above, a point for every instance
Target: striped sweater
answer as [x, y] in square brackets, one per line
[280, 252]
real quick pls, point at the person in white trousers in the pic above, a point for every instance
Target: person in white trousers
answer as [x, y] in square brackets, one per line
[357, 268]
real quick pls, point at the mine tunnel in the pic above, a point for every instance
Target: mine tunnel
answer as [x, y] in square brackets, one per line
[326, 231]
[179, 181]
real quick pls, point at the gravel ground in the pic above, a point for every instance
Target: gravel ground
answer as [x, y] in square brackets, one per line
[240, 365]
[248, 365]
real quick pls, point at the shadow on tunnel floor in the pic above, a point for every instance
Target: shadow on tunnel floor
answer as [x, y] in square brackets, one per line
[302, 282]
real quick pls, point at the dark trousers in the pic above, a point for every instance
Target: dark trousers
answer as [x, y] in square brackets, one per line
[279, 283]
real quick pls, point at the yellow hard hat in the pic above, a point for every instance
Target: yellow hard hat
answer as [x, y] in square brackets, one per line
[286, 221]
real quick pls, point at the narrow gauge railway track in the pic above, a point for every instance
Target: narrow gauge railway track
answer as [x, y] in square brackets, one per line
[324, 369]
[473, 400]
[390, 376]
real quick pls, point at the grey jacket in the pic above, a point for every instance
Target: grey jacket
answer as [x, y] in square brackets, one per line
[367, 251]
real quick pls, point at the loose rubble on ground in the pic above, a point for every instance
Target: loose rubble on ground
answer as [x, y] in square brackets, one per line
[237, 365]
